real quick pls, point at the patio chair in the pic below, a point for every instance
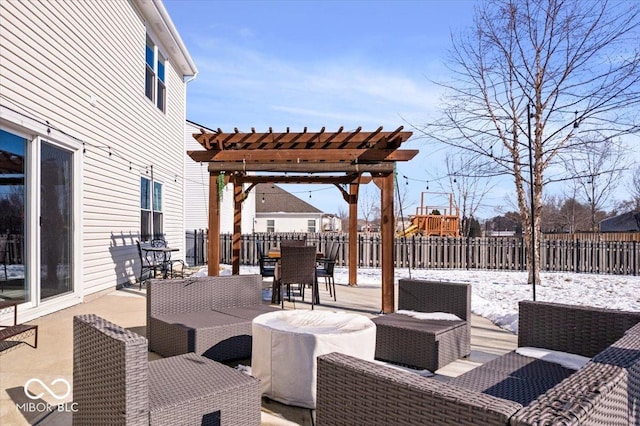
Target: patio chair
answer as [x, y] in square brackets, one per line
[164, 259]
[298, 266]
[115, 384]
[267, 264]
[147, 266]
[325, 270]
[294, 243]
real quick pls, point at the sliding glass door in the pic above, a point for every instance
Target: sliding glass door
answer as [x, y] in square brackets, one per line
[13, 196]
[56, 221]
[36, 218]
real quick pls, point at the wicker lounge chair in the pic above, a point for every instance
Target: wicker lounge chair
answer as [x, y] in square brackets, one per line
[114, 384]
[426, 344]
[210, 316]
[605, 391]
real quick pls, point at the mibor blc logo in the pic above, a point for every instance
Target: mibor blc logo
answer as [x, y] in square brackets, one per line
[35, 389]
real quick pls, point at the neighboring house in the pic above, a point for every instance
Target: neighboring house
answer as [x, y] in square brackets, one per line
[280, 211]
[626, 222]
[197, 192]
[92, 98]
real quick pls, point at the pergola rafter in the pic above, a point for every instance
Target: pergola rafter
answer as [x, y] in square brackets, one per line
[337, 158]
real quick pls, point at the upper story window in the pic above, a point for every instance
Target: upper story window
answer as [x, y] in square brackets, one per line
[271, 225]
[155, 86]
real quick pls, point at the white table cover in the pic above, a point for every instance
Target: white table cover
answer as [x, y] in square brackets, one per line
[286, 344]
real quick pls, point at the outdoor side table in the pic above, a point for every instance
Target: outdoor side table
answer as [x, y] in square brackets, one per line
[287, 343]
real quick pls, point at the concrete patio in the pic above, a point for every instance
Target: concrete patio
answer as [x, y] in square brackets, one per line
[127, 307]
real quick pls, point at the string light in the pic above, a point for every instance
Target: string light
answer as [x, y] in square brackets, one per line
[111, 152]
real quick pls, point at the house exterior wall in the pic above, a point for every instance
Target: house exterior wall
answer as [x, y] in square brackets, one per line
[288, 222]
[197, 193]
[79, 65]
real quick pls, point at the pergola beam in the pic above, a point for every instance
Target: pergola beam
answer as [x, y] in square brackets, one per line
[294, 155]
[328, 180]
[230, 167]
[288, 140]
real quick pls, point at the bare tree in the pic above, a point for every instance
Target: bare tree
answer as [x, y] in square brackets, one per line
[557, 67]
[634, 189]
[597, 166]
[468, 190]
[369, 202]
[343, 214]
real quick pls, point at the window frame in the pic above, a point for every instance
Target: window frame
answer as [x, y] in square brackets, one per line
[312, 227]
[155, 74]
[151, 212]
[271, 225]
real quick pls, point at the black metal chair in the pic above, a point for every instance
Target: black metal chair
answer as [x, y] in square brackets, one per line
[298, 266]
[325, 269]
[147, 266]
[165, 260]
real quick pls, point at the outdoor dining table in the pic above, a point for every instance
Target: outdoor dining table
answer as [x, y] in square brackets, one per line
[274, 253]
[164, 251]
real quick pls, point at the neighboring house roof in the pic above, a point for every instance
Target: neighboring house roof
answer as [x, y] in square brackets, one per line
[277, 199]
[157, 17]
[624, 222]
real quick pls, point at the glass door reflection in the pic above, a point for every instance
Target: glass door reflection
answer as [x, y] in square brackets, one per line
[56, 231]
[13, 282]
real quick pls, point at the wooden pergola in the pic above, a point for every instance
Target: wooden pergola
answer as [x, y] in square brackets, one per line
[346, 159]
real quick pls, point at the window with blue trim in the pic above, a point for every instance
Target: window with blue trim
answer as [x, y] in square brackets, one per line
[155, 86]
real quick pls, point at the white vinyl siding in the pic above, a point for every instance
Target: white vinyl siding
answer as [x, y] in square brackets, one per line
[287, 222]
[80, 66]
[197, 193]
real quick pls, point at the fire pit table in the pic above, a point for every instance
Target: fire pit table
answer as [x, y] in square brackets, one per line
[287, 343]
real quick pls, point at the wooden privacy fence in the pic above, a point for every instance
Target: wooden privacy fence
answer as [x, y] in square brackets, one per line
[495, 253]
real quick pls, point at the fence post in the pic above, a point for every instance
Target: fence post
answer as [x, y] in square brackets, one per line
[635, 258]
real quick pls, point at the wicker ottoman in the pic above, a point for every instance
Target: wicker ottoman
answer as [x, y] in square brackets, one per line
[419, 343]
[178, 384]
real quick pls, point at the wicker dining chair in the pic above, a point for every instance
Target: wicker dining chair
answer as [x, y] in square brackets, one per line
[326, 267]
[294, 243]
[298, 266]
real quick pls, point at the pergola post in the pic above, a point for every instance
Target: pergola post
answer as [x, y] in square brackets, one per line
[213, 252]
[388, 237]
[353, 233]
[238, 196]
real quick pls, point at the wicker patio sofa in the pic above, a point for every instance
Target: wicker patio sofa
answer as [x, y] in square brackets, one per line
[210, 316]
[115, 384]
[426, 343]
[510, 390]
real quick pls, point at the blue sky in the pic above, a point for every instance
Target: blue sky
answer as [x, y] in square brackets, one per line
[324, 63]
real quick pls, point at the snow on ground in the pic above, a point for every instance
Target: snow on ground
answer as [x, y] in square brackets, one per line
[495, 294]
